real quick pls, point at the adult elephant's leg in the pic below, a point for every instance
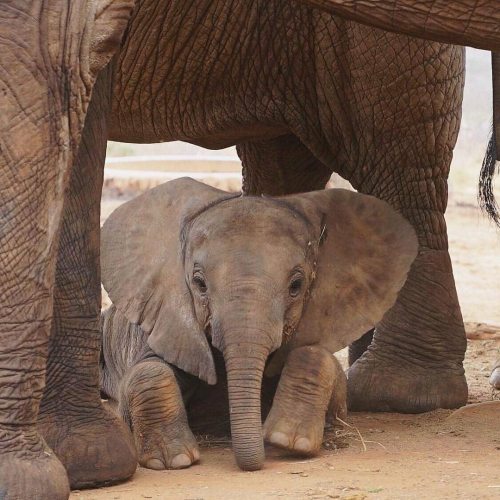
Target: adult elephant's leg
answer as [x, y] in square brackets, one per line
[280, 166]
[31, 198]
[414, 363]
[34, 152]
[358, 347]
[29, 220]
[93, 444]
[407, 123]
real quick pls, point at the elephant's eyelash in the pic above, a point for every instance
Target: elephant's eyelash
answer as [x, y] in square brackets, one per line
[200, 282]
[322, 236]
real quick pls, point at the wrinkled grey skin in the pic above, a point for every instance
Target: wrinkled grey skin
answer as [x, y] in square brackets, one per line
[305, 112]
[302, 275]
[51, 52]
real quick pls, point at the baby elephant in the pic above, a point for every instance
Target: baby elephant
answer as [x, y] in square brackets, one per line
[189, 267]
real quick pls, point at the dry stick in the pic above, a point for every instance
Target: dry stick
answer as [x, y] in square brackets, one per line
[356, 429]
[375, 442]
[362, 440]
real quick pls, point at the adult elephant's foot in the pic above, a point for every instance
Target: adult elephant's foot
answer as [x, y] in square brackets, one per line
[414, 363]
[385, 385]
[95, 446]
[495, 375]
[312, 382]
[29, 468]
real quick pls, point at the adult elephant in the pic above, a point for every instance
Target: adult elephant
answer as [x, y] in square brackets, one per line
[301, 93]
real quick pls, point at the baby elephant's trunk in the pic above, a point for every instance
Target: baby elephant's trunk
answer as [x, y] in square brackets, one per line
[245, 365]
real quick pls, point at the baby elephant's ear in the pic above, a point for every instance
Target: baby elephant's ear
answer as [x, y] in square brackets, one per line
[143, 273]
[364, 255]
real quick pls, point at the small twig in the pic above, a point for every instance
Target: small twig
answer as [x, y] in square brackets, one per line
[357, 430]
[375, 442]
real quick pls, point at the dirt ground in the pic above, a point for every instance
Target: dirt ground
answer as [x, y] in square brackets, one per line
[439, 455]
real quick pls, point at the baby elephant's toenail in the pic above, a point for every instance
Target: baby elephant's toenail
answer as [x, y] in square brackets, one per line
[279, 438]
[155, 464]
[303, 445]
[181, 461]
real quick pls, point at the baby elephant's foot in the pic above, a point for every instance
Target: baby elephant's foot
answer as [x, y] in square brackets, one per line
[298, 433]
[166, 446]
[305, 392]
[152, 403]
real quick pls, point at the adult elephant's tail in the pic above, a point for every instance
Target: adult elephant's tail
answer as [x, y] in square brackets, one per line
[486, 195]
[487, 199]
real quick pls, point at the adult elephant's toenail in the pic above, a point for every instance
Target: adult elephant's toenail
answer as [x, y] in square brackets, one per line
[495, 378]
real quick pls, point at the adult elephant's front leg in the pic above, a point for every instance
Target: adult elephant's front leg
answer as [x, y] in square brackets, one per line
[93, 444]
[31, 196]
[408, 127]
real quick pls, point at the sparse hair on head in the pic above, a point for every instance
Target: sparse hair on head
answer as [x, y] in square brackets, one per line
[188, 221]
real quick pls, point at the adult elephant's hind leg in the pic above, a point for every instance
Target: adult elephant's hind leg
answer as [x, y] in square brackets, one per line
[414, 363]
[280, 166]
[94, 445]
[495, 375]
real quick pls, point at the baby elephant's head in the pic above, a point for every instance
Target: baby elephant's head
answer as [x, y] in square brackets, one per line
[192, 265]
[249, 263]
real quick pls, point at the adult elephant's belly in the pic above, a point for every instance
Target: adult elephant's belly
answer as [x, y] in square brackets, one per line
[210, 75]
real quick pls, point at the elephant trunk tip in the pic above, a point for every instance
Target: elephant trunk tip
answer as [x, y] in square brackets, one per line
[250, 460]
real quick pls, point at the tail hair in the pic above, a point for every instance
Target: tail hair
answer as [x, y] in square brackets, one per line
[486, 195]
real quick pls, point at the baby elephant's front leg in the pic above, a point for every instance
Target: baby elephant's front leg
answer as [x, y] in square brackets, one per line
[311, 383]
[151, 402]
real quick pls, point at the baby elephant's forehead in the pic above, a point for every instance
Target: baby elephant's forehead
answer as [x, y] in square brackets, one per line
[252, 216]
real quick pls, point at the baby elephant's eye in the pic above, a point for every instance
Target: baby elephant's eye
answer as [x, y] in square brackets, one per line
[200, 283]
[296, 286]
